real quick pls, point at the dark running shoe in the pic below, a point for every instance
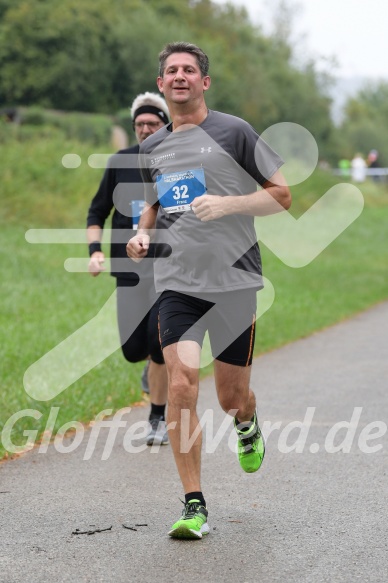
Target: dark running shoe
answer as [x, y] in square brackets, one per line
[158, 433]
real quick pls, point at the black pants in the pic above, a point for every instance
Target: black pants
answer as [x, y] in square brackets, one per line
[138, 341]
[229, 318]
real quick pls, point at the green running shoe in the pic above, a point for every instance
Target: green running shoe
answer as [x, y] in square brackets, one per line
[193, 523]
[250, 446]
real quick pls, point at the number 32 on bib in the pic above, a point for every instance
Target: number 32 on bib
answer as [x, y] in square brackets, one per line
[177, 190]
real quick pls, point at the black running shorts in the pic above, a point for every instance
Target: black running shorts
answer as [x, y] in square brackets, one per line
[229, 317]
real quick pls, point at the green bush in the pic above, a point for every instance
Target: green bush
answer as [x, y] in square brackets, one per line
[95, 129]
[26, 133]
[35, 116]
[123, 119]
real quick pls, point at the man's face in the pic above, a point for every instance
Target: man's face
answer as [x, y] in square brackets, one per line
[182, 81]
[146, 124]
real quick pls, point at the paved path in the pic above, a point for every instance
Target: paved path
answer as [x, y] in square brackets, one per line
[314, 516]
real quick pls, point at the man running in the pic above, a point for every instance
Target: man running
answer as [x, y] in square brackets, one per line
[201, 174]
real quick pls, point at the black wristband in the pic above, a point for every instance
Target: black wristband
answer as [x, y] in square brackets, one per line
[93, 247]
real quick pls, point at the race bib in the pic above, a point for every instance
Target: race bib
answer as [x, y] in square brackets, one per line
[177, 190]
[137, 209]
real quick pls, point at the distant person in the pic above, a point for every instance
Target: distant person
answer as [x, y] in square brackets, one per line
[121, 188]
[372, 159]
[358, 168]
[373, 162]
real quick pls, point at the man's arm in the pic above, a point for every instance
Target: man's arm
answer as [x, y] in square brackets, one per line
[99, 210]
[274, 198]
[97, 257]
[138, 246]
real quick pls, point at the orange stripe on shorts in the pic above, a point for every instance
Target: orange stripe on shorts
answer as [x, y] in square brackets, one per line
[251, 339]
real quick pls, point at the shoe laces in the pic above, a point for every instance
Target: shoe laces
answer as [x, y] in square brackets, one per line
[154, 422]
[250, 439]
[190, 509]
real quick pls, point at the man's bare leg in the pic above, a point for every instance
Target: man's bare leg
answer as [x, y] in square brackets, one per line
[183, 381]
[157, 380]
[234, 394]
[183, 421]
[232, 384]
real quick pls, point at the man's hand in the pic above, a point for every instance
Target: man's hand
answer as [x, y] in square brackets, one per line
[274, 197]
[137, 247]
[209, 207]
[96, 263]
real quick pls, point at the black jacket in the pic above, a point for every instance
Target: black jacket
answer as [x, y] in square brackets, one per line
[120, 185]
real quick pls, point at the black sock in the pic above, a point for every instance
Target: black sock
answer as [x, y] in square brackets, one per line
[195, 496]
[157, 410]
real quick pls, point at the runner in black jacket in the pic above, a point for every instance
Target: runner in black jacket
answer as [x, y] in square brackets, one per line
[121, 189]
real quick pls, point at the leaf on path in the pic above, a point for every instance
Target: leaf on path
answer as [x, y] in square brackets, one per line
[129, 527]
[78, 531]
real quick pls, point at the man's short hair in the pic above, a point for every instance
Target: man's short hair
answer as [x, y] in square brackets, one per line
[183, 47]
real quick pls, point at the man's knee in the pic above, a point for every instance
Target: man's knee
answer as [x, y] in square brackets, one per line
[182, 394]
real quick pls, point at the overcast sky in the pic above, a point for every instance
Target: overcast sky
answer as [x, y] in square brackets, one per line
[354, 31]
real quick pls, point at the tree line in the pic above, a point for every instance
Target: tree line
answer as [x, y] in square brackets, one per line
[96, 55]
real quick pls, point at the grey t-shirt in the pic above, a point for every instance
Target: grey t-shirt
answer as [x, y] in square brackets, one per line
[222, 156]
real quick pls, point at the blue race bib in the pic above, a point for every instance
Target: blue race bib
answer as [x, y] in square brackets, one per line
[177, 190]
[137, 209]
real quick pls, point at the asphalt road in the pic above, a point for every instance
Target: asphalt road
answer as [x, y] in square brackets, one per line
[315, 512]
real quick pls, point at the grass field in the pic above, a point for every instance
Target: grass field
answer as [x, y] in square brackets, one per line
[42, 303]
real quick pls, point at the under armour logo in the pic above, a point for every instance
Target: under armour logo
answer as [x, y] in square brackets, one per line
[203, 150]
